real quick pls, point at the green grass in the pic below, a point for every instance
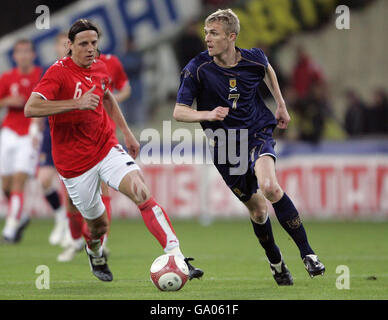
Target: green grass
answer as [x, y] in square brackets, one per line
[234, 264]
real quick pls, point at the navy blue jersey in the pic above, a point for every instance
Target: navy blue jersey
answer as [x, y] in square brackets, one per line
[237, 88]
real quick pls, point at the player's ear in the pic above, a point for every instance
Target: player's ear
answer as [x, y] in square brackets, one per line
[70, 47]
[232, 36]
[67, 44]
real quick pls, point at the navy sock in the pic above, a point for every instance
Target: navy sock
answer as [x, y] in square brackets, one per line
[264, 233]
[289, 219]
[53, 200]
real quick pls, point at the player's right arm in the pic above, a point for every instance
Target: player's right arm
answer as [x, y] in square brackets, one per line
[184, 113]
[188, 91]
[37, 106]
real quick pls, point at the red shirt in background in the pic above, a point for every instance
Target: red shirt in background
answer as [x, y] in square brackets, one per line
[14, 83]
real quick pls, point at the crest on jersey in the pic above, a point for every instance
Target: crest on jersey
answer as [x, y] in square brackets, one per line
[103, 84]
[232, 85]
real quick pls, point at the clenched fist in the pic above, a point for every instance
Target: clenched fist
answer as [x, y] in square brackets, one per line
[89, 100]
[218, 114]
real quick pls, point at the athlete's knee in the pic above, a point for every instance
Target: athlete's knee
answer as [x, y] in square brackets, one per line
[259, 213]
[134, 187]
[257, 206]
[45, 182]
[271, 190]
[70, 207]
[18, 182]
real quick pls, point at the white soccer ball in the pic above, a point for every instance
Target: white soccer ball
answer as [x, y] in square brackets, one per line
[169, 272]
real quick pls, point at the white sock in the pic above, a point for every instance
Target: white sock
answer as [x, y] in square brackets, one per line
[175, 251]
[96, 250]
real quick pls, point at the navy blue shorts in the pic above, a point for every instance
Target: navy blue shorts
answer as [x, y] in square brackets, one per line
[245, 185]
[45, 157]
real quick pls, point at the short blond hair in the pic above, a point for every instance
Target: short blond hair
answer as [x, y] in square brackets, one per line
[228, 18]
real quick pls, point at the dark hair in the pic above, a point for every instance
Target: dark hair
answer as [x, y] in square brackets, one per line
[79, 26]
[24, 41]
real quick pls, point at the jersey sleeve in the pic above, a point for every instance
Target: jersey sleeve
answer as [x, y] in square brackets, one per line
[50, 85]
[120, 77]
[189, 86]
[260, 56]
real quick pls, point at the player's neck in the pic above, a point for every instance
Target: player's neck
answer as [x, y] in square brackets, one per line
[79, 64]
[228, 59]
[25, 69]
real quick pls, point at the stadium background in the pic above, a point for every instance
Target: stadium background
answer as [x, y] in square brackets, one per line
[332, 167]
[333, 163]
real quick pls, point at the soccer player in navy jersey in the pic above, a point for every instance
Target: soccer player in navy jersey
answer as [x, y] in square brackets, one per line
[224, 82]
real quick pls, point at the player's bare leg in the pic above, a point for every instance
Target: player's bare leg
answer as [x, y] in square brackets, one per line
[6, 185]
[106, 200]
[98, 261]
[286, 213]
[154, 217]
[258, 210]
[46, 176]
[98, 228]
[17, 220]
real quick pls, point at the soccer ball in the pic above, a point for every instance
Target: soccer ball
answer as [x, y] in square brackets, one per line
[169, 272]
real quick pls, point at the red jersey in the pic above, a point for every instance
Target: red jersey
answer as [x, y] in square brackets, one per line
[116, 71]
[14, 83]
[80, 138]
[117, 75]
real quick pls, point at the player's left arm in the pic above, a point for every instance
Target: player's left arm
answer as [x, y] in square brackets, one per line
[281, 113]
[112, 108]
[123, 93]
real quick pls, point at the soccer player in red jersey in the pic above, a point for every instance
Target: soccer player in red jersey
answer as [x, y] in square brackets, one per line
[19, 154]
[119, 85]
[74, 94]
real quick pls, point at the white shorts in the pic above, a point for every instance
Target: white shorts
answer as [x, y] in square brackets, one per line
[17, 153]
[85, 190]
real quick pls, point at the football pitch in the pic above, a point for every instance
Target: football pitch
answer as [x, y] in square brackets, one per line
[234, 263]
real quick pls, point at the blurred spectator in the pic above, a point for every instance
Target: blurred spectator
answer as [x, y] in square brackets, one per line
[135, 108]
[305, 73]
[355, 114]
[312, 112]
[376, 116]
[189, 44]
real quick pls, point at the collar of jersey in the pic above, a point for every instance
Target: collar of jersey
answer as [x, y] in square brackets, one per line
[77, 67]
[211, 59]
